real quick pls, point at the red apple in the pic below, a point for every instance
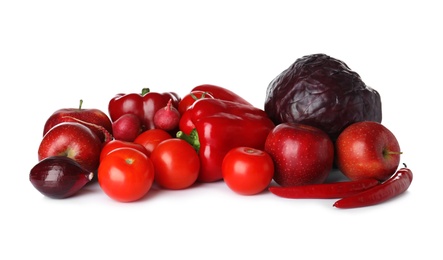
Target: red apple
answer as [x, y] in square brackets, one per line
[73, 140]
[127, 127]
[302, 154]
[92, 116]
[367, 150]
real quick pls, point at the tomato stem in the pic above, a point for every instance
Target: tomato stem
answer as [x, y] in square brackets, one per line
[129, 160]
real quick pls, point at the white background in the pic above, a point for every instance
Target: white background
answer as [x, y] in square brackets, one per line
[53, 53]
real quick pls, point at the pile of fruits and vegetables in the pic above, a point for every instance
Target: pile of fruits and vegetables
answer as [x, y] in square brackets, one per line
[318, 116]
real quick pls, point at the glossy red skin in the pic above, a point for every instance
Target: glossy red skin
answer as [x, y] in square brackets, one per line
[360, 151]
[143, 106]
[73, 140]
[114, 144]
[247, 171]
[395, 185]
[176, 164]
[324, 190]
[302, 154]
[190, 98]
[92, 115]
[186, 123]
[222, 93]
[151, 138]
[204, 108]
[222, 125]
[126, 174]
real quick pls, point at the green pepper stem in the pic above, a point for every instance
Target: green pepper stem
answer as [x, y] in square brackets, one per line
[192, 138]
[145, 91]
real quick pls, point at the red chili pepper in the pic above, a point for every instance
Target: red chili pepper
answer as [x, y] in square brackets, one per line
[398, 183]
[219, 126]
[324, 190]
[144, 105]
[221, 93]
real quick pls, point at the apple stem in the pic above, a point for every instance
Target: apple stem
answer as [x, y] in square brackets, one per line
[388, 153]
[108, 136]
[80, 105]
[392, 152]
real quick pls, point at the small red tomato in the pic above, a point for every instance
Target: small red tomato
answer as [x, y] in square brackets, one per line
[247, 171]
[114, 144]
[190, 98]
[126, 174]
[151, 138]
[176, 164]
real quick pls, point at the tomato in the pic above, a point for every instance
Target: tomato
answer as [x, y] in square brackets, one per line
[247, 171]
[126, 174]
[176, 164]
[114, 144]
[151, 138]
[190, 98]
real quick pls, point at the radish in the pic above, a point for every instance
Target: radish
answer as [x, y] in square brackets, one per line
[167, 118]
[127, 127]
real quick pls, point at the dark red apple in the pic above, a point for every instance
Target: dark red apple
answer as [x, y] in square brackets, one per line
[73, 140]
[302, 154]
[91, 115]
[367, 149]
[127, 127]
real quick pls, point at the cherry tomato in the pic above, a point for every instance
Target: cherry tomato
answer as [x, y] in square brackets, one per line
[190, 98]
[151, 138]
[114, 144]
[176, 164]
[247, 171]
[126, 174]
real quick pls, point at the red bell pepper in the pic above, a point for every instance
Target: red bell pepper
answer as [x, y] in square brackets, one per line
[219, 126]
[144, 105]
[221, 93]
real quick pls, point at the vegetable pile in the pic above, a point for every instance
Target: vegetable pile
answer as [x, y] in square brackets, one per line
[211, 134]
